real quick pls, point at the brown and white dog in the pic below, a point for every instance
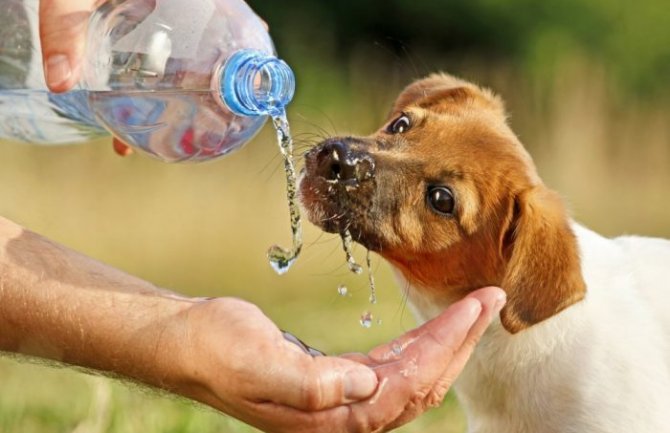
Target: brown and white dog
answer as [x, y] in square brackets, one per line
[446, 193]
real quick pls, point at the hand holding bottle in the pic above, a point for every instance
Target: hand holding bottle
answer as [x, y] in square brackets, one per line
[63, 38]
[182, 81]
[63, 35]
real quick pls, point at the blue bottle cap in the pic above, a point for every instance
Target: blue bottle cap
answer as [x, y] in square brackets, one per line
[255, 84]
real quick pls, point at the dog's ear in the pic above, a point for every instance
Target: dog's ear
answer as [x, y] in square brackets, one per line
[456, 99]
[543, 274]
[443, 91]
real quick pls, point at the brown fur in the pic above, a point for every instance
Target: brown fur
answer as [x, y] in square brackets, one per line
[508, 228]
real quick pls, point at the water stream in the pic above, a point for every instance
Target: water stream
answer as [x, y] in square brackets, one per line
[280, 258]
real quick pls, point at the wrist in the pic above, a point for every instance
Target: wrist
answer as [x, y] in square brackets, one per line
[149, 346]
[215, 349]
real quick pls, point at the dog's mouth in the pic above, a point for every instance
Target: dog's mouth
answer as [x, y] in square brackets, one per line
[337, 189]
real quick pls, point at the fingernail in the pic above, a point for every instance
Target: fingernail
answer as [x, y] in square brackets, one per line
[57, 69]
[359, 383]
[501, 299]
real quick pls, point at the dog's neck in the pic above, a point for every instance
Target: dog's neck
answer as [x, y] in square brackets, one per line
[447, 276]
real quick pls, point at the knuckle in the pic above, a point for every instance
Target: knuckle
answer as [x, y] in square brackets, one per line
[435, 396]
[470, 343]
[360, 422]
[362, 427]
[416, 401]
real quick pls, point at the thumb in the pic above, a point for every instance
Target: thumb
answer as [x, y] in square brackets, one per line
[63, 26]
[316, 383]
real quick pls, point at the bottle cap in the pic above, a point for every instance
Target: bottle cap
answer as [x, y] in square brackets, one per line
[253, 83]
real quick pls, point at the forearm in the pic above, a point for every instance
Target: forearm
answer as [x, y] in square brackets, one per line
[61, 305]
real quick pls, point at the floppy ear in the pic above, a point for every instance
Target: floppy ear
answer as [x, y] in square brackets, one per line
[450, 98]
[447, 91]
[543, 274]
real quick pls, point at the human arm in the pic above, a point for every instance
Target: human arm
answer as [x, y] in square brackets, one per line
[58, 304]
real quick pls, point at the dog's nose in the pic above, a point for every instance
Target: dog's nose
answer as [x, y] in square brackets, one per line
[338, 162]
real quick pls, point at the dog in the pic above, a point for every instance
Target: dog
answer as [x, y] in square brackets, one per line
[446, 193]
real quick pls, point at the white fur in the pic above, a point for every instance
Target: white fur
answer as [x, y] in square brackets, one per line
[600, 366]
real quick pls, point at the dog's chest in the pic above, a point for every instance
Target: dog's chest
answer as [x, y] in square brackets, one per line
[514, 385]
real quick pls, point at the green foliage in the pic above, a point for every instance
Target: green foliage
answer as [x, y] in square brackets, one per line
[631, 38]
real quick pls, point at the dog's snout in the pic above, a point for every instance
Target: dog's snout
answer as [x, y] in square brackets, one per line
[337, 161]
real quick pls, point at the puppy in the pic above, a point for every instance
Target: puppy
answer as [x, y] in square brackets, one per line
[446, 193]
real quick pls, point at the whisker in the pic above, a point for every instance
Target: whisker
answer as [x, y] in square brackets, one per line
[334, 217]
[322, 113]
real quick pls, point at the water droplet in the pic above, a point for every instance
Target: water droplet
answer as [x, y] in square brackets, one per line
[366, 319]
[346, 245]
[371, 279]
[280, 258]
[342, 290]
[396, 348]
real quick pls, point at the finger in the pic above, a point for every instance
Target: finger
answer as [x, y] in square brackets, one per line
[358, 357]
[386, 352]
[120, 147]
[316, 383]
[395, 348]
[492, 300]
[405, 382]
[63, 36]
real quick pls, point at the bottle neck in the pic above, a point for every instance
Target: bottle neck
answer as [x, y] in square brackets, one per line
[252, 83]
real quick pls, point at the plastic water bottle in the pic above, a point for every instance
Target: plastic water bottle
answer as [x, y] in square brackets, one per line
[182, 80]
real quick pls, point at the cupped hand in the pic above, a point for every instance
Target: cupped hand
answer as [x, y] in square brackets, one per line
[236, 360]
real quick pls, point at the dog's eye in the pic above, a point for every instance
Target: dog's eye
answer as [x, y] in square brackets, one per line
[441, 200]
[399, 125]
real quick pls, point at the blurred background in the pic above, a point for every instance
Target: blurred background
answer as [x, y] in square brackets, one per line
[587, 87]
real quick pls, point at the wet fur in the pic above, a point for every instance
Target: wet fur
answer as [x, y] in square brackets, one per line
[583, 342]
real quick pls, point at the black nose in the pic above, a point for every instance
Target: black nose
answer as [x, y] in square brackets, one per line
[336, 161]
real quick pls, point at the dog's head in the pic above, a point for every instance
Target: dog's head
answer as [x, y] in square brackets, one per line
[447, 194]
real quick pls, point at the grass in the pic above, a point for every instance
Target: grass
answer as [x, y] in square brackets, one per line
[203, 229]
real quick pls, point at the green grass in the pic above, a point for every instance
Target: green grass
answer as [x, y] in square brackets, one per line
[47, 399]
[204, 229]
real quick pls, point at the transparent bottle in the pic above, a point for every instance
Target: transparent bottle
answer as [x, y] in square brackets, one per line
[182, 80]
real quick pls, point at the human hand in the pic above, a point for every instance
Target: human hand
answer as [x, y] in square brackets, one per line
[239, 362]
[63, 25]
[416, 370]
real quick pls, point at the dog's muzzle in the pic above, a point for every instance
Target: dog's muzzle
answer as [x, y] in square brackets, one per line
[337, 161]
